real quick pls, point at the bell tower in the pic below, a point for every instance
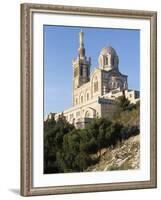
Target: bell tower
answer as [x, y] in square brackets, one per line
[81, 65]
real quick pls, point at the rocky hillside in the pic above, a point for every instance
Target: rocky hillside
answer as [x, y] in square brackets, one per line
[123, 156]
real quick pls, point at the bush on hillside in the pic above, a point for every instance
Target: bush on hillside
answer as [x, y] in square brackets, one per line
[67, 149]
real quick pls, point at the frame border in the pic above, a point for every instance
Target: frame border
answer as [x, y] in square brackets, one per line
[27, 11]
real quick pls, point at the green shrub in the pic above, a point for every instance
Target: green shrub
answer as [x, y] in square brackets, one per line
[67, 149]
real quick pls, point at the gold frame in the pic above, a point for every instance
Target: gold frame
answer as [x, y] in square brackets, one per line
[27, 11]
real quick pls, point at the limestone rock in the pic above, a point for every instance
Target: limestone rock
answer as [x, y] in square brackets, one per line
[124, 156]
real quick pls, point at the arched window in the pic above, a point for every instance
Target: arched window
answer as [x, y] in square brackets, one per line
[76, 101]
[87, 96]
[81, 98]
[112, 61]
[106, 59]
[81, 70]
[114, 84]
[95, 84]
[87, 114]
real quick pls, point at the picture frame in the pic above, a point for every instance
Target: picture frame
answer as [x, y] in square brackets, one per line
[27, 94]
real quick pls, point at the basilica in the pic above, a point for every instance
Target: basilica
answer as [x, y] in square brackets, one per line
[94, 93]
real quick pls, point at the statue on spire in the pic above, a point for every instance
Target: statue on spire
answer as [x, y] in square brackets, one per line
[81, 38]
[81, 50]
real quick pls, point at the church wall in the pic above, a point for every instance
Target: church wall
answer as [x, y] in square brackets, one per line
[132, 95]
[81, 92]
[86, 110]
[112, 80]
[87, 91]
[108, 110]
[96, 83]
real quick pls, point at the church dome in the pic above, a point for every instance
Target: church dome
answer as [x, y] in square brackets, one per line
[108, 58]
[108, 50]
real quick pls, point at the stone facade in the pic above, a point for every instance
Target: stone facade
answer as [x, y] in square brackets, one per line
[94, 94]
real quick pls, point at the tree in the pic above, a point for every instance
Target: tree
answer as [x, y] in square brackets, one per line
[67, 149]
[54, 132]
[123, 103]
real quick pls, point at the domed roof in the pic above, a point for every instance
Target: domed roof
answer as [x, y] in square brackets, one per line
[108, 50]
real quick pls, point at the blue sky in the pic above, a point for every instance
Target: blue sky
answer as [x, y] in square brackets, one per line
[60, 47]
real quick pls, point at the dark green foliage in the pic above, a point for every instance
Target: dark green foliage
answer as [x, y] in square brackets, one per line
[123, 103]
[53, 140]
[129, 131]
[67, 149]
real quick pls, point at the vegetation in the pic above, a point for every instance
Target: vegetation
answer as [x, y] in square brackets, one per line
[127, 114]
[67, 149]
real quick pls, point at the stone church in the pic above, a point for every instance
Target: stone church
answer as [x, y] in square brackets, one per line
[94, 93]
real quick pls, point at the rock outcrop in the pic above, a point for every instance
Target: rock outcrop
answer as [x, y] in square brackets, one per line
[124, 156]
